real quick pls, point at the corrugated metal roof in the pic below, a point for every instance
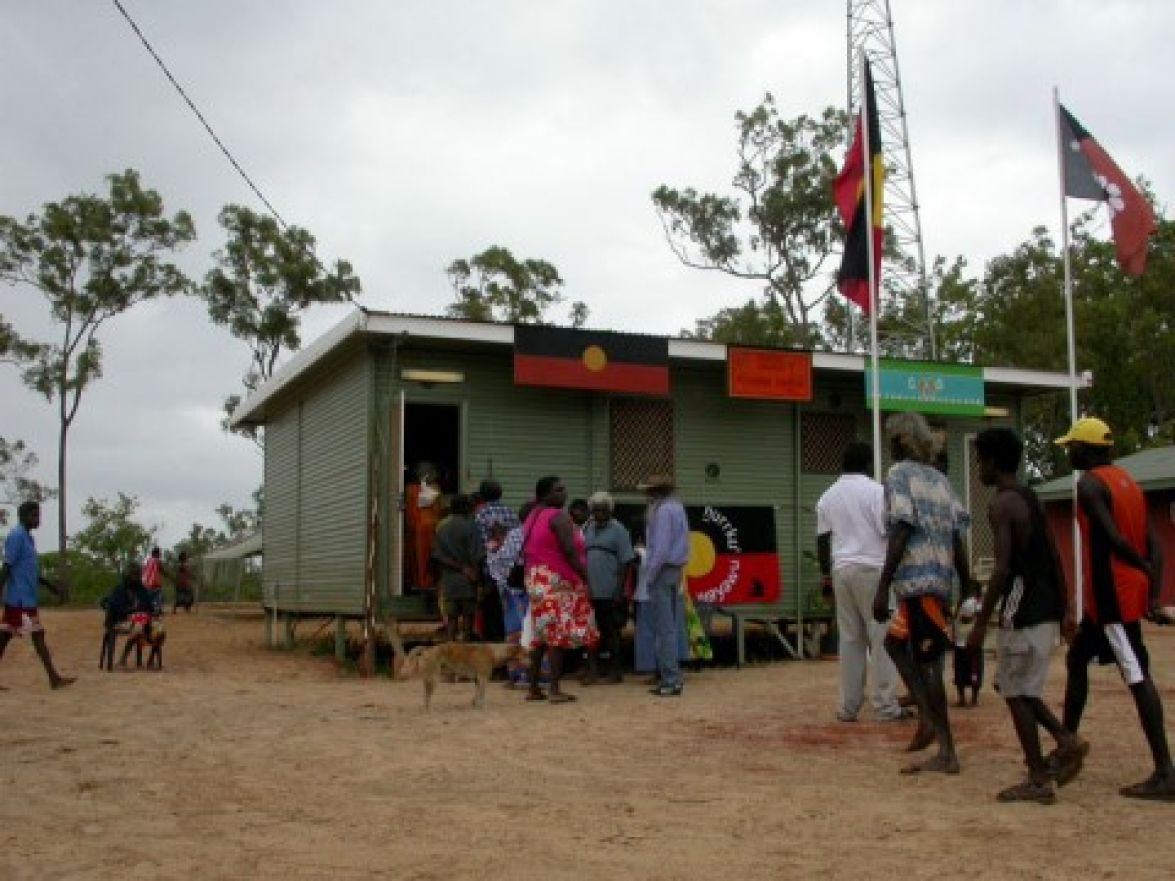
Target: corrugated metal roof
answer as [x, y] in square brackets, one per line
[1153, 469]
[248, 546]
[389, 324]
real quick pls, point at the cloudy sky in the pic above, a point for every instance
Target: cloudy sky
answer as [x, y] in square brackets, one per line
[407, 133]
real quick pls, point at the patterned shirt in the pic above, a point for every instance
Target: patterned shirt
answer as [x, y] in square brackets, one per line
[491, 513]
[921, 497]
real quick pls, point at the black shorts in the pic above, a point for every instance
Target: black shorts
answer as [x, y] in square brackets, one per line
[1114, 643]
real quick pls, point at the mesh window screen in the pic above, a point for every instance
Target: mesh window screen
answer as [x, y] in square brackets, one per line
[978, 498]
[824, 437]
[641, 440]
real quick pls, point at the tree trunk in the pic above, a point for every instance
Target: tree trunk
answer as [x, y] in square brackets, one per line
[62, 532]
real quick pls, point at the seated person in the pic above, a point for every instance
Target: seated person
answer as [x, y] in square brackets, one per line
[120, 602]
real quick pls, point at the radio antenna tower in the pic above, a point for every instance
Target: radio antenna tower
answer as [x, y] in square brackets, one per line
[870, 30]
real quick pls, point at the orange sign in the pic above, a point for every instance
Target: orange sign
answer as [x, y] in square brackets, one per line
[771, 374]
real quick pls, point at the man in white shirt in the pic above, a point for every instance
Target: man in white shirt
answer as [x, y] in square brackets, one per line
[850, 544]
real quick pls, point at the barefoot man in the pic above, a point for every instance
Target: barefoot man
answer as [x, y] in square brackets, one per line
[19, 579]
[1122, 573]
[1029, 585]
[924, 550]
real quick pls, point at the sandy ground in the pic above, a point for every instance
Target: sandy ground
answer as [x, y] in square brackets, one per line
[238, 762]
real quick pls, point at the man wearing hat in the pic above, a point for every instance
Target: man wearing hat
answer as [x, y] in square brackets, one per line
[667, 552]
[1122, 569]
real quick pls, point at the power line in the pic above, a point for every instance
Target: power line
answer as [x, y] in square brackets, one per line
[200, 116]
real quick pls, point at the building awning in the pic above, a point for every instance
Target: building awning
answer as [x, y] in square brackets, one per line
[1152, 469]
[248, 546]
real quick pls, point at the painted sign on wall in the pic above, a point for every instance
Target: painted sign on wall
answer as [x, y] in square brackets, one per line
[769, 374]
[952, 389]
[733, 554]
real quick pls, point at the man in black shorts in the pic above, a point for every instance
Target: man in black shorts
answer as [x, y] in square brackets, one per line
[1122, 573]
[1029, 585]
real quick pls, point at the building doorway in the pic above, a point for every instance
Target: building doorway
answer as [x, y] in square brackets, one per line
[431, 442]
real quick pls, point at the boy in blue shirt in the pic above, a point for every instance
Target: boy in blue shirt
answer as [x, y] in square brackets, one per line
[19, 579]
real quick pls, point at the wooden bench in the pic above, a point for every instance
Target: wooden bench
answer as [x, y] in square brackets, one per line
[768, 614]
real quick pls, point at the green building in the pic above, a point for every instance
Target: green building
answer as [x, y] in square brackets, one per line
[379, 392]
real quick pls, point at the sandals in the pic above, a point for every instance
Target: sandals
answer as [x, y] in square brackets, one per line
[938, 765]
[1153, 788]
[1064, 764]
[1041, 793]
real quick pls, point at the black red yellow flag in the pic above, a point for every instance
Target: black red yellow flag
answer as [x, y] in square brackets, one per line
[852, 279]
[592, 360]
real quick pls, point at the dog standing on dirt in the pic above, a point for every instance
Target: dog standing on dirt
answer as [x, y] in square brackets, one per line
[474, 659]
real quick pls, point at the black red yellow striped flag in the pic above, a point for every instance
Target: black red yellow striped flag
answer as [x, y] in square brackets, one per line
[592, 360]
[852, 279]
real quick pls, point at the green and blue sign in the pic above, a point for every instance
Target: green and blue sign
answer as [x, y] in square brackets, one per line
[950, 389]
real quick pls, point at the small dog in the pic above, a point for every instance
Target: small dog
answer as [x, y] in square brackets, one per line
[471, 658]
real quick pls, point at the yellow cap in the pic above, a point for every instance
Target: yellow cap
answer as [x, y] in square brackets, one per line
[1088, 431]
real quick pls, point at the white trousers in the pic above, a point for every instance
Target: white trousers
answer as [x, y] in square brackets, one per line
[855, 587]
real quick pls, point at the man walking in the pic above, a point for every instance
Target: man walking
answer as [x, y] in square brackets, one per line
[1029, 586]
[1122, 570]
[850, 545]
[924, 551]
[19, 578]
[667, 542]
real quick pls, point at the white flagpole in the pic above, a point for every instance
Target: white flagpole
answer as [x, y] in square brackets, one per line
[1078, 580]
[874, 298]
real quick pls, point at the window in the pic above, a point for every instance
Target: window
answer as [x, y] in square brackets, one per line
[824, 437]
[641, 432]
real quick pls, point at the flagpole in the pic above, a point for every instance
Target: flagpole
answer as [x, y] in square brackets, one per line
[1079, 593]
[874, 298]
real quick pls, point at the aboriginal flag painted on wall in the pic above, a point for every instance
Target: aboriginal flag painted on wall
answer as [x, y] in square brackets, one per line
[593, 360]
[852, 279]
[733, 557]
[1090, 173]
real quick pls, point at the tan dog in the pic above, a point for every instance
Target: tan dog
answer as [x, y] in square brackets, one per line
[475, 659]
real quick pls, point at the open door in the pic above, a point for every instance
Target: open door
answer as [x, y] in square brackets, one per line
[396, 498]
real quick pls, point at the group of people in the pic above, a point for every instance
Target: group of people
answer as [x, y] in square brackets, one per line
[137, 599]
[892, 554]
[556, 579]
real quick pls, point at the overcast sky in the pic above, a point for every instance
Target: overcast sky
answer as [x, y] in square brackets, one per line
[407, 134]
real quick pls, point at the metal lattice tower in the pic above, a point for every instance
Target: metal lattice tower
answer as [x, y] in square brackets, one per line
[870, 30]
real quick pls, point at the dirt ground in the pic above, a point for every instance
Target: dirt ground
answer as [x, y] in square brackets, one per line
[239, 762]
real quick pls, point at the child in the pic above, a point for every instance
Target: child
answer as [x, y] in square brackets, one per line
[968, 663]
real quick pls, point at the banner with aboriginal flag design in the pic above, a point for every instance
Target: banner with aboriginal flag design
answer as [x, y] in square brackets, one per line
[733, 553]
[592, 360]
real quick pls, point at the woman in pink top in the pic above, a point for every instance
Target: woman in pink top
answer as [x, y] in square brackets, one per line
[556, 580]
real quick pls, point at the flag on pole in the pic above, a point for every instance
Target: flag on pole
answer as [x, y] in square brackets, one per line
[1090, 173]
[852, 279]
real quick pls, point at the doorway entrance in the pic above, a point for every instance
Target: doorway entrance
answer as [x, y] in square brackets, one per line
[431, 435]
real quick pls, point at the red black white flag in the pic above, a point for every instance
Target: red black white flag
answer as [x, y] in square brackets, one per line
[592, 360]
[1090, 173]
[852, 279]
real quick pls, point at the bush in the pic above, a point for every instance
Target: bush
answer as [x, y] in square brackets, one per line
[89, 580]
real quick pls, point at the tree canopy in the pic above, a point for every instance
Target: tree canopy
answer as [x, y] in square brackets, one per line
[266, 277]
[496, 286]
[112, 536]
[17, 463]
[779, 229]
[92, 258]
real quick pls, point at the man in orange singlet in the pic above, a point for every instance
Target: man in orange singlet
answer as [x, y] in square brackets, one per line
[1122, 569]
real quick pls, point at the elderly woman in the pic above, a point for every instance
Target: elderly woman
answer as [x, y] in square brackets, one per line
[556, 580]
[925, 552]
[609, 558]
